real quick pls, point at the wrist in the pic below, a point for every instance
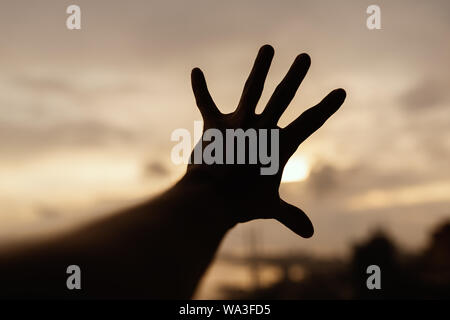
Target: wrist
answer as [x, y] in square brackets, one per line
[204, 200]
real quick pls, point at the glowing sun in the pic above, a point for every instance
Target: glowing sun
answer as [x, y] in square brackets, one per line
[296, 169]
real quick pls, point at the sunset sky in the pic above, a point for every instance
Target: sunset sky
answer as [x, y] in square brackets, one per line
[86, 115]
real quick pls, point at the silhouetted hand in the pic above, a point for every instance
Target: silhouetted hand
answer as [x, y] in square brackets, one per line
[160, 248]
[248, 194]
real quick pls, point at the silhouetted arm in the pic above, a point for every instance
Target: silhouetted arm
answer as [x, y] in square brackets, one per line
[158, 249]
[161, 248]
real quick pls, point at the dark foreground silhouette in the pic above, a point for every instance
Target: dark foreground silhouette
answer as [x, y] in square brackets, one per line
[404, 275]
[161, 248]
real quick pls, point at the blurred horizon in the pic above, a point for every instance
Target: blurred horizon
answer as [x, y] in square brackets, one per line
[86, 115]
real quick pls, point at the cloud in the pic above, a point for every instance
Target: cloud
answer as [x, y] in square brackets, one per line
[46, 212]
[79, 133]
[323, 179]
[424, 95]
[326, 179]
[155, 168]
[76, 85]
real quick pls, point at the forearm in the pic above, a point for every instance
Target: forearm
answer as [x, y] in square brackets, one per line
[159, 249]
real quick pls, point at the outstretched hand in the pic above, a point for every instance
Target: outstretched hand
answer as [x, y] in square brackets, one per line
[249, 194]
[163, 245]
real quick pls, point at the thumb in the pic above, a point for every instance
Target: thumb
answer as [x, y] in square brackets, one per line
[295, 219]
